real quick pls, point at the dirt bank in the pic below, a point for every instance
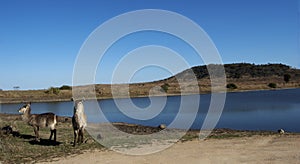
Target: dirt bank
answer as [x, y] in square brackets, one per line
[255, 149]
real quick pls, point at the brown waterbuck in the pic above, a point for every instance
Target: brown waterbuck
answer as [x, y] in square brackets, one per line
[39, 120]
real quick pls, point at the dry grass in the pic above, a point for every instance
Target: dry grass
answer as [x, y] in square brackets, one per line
[103, 91]
[20, 145]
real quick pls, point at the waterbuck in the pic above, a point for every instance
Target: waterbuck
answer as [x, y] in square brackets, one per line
[78, 121]
[39, 120]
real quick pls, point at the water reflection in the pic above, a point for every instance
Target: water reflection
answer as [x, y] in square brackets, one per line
[256, 110]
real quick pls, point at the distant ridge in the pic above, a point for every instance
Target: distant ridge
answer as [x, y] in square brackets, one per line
[239, 77]
[242, 70]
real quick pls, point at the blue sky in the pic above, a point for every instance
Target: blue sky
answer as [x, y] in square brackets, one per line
[40, 39]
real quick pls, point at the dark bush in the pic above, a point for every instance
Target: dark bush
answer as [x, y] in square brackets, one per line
[286, 77]
[231, 86]
[53, 90]
[65, 87]
[165, 87]
[238, 70]
[272, 85]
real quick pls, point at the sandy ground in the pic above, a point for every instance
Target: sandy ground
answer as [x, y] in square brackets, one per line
[256, 149]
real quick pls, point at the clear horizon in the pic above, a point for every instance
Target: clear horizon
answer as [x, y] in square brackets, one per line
[40, 40]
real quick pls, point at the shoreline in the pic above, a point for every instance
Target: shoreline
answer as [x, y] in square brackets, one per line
[53, 100]
[21, 139]
[9, 116]
[64, 119]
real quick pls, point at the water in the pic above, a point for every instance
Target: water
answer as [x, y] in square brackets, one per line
[255, 110]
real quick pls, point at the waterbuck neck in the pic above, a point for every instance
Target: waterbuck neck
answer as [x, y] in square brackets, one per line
[79, 108]
[26, 115]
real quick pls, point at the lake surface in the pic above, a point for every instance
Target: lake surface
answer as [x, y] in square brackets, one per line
[255, 110]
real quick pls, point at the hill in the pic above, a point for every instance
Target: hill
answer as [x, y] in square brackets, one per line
[239, 77]
[242, 70]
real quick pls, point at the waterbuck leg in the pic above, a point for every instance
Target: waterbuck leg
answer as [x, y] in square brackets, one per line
[51, 134]
[54, 134]
[75, 137]
[36, 132]
[81, 135]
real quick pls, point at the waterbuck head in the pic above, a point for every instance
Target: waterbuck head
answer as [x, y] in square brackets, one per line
[78, 106]
[25, 108]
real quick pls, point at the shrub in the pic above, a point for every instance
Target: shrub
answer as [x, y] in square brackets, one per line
[272, 85]
[231, 86]
[65, 87]
[165, 87]
[56, 91]
[286, 77]
[53, 90]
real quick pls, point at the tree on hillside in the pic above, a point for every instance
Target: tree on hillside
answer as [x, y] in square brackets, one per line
[165, 87]
[272, 85]
[52, 90]
[231, 86]
[65, 87]
[286, 77]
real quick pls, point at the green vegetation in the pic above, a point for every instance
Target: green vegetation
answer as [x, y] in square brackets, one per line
[56, 91]
[53, 90]
[65, 87]
[239, 70]
[16, 87]
[165, 87]
[286, 77]
[231, 86]
[272, 85]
